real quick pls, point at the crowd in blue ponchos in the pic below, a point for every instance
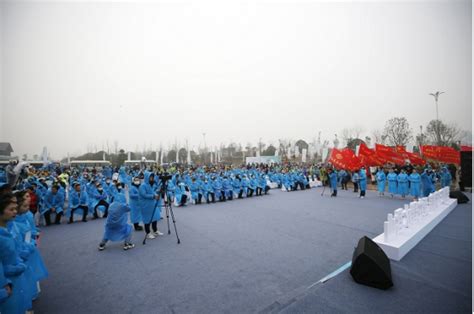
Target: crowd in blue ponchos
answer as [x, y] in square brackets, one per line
[21, 265]
[412, 182]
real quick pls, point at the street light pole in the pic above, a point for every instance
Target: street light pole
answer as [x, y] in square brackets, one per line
[436, 96]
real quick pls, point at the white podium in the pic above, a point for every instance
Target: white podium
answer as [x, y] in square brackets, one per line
[407, 238]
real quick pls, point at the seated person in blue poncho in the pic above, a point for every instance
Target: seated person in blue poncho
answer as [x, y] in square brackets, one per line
[116, 226]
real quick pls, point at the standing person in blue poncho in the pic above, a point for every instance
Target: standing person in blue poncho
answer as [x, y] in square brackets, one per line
[53, 202]
[135, 211]
[402, 180]
[380, 176]
[237, 186]
[445, 177]
[415, 182]
[22, 229]
[427, 182]
[18, 301]
[362, 182]
[149, 203]
[117, 227]
[333, 182]
[392, 182]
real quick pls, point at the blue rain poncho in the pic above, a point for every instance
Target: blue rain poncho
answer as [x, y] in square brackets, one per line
[415, 182]
[362, 180]
[116, 226]
[53, 200]
[333, 180]
[380, 176]
[392, 183]
[13, 267]
[148, 203]
[135, 210]
[402, 180]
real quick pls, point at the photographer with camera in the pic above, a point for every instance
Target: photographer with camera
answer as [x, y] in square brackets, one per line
[149, 195]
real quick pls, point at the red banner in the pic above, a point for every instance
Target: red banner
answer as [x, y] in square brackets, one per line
[465, 148]
[368, 157]
[344, 159]
[415, 159]
[441, 153]
[389, 154]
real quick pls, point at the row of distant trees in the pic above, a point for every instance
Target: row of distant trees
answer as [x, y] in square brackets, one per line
[397, 131]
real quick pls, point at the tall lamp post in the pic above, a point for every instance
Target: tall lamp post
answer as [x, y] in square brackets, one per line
[436, 96]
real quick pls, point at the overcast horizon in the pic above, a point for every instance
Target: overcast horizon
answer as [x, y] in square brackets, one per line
[81, 74]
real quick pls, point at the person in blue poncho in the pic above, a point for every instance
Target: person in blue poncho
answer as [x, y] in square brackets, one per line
[98, 198]
[150, 204]
[135, 211]
[445, 177]
[22, 229]
[362, 182]
[415, 182]
[332, 181]
[209, 191]
[392, 182]
[53, 202]
[78, 200]
[252, 185]
[237, 186]
[380, 176]
[402, 180]
[195, 189]
[18, 301]
[427, 182]
[227, 187]
[117, 227]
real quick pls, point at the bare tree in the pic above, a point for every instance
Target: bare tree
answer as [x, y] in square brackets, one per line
[398, 131]
[350, 134]
[440, 133]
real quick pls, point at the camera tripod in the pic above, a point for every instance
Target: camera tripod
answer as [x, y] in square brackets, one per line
[168, 208]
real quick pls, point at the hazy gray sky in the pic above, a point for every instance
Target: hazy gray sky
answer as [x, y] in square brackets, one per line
[79, 73]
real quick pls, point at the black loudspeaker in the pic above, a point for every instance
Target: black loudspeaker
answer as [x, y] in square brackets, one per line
[466, 170]
[370, 265]
[459, 196]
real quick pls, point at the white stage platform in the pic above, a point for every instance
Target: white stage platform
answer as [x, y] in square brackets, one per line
[398, 247]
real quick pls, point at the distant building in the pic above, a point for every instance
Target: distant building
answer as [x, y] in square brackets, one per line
[6, 149]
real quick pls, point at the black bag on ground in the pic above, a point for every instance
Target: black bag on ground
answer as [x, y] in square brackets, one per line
[370, 265]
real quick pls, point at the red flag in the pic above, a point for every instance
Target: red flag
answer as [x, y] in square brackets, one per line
[441, 153]
[344, 159]
[369, 157]
[389, 154]
[415, 159]
[466, 148]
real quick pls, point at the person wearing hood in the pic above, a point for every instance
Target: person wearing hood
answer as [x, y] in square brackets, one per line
[392, 182]
[209, 191]
[117, 227]
[415, 181]
[99, 198]
[402, 180]
[195, 189]
[149, 193]
[227, 187]
[445, 177]
[53, 202]
[427, 182]
[78, 201]
[135, 211]
[237, 186]
[380, 176]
